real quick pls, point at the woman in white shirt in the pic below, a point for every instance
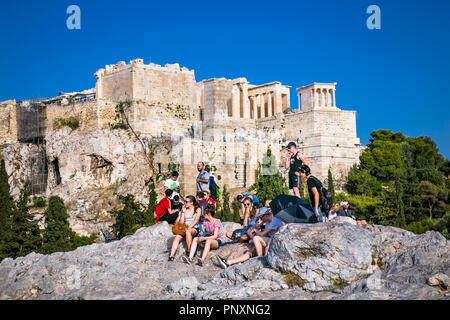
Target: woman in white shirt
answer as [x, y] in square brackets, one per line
[333, 212]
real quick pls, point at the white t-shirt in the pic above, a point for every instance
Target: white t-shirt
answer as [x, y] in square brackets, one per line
[275, 224]
[331, 216]
[170, 184]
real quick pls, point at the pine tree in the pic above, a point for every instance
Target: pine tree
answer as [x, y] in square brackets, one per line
[226, 212]
[330, 183]
[6, 205]
[26, 235]
[236, 205]
[57, 235]
[152, 203]
[270, 182]
[126, 218]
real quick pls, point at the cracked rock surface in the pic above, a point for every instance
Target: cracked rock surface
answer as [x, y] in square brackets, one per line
[334, 260]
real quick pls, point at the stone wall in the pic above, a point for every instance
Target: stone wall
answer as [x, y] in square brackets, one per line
[8, 122]
[85, 112]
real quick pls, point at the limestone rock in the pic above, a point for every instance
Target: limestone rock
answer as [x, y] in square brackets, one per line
[319, 261]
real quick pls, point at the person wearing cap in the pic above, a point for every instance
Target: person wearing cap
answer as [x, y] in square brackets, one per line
[260, 238]
[173, 184]
[294, 161]
[314, 185]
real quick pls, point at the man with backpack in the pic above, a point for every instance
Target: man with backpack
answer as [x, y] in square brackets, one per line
[319, 196]
[294, 161]
[213, 187]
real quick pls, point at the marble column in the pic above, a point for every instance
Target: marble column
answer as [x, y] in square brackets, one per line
[244, 100]
[235, 102]
[334, 98]
[278, 102]
[255, 107]
[269, 103]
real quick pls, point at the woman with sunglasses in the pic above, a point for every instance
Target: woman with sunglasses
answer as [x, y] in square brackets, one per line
[190, 215]
[247, 220]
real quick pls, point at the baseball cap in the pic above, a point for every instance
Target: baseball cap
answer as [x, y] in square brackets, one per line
[291, 144]
[262, 211]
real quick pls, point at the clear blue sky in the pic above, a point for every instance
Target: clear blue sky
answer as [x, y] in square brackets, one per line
[395, 78]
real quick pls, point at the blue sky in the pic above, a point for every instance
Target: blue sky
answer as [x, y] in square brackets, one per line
[395, 78]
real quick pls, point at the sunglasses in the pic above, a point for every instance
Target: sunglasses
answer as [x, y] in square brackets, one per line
[247, 204]
[188, 201]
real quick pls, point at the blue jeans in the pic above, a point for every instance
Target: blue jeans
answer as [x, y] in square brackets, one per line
[320, 217]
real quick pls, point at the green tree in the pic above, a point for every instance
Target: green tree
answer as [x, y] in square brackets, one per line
[6, 206]
[126, 217]
[57, 235]
[149, 218]
[443, 225]
[330, 182]
[432, 197]
[227, 215]
[26, 235]
[270, 182]
[236, 206]
[362, 182]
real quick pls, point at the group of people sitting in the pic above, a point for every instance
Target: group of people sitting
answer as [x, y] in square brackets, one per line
[202, 229]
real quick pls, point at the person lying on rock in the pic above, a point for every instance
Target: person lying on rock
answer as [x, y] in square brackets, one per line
[208, 237]
[261, 239]
[249, 222]
[190, 216]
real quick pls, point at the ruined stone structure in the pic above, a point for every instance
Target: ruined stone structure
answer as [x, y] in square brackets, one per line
[228, 123]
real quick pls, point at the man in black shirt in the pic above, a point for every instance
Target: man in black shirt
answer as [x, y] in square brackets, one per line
[294, 161]
[314, 186]
[175, 203]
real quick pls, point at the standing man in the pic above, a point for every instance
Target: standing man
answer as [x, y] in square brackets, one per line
[173, 184]
[202, 178]
[314, 185]
[294, 161]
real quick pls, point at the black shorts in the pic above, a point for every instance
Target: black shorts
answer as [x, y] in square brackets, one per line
[294, 181]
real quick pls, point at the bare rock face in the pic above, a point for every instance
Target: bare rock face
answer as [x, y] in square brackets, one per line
[334, 260]
[87, 168]
[324, 256]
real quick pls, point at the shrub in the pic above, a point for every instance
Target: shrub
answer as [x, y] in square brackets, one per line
[39, 202]
[72, 122]
[419, 227]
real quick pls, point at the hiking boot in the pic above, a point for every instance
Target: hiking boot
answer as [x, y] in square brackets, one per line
[171, 258]
[187, 260]
[223, 262]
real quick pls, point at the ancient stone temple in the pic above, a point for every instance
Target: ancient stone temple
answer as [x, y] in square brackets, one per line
[227, 123]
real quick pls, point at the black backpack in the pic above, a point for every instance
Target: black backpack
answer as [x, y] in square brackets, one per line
[214, 189]
[326, 198]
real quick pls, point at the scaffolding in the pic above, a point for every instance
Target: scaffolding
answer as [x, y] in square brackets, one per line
[31, 129]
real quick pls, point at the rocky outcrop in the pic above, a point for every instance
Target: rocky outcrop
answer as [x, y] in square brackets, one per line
[334, 260]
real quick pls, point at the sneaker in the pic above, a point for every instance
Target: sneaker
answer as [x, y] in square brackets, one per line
[187, 259]
[171, 258]
[223, 262]
[200, 262]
